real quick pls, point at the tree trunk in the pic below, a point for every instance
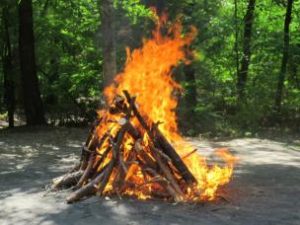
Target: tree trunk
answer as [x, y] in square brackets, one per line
[285, 55]
[243, 72]
[236, 44]
[109, 45]
[9, 85]
[31, 94]
[190, 96]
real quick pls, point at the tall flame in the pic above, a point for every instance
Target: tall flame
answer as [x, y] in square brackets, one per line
[148, 76]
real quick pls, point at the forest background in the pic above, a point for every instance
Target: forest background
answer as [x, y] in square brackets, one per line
[56, 57]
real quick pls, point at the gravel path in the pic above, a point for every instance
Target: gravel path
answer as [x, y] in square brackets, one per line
[265, 189]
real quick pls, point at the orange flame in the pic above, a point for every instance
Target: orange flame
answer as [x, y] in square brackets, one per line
[148, 76]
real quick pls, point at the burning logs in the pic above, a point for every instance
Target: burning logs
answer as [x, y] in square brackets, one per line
[160, 141]
[126, 154]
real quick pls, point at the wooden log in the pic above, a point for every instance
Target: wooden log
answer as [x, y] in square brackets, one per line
[168, 175]
[116, 151]
[122, 163]
[142, 155]
[87, 150]
[92, 148]
[93, 172]
[106, 176]
[67, 180]
[116, 144]
[163, 155]
[120, 178]
[103, 177]
[87, 171]
[134, 133]
[93, 128]
[89, 137]
[160, 158]
[86, 190]
[162, 143]
[166, 185]
[171, 152]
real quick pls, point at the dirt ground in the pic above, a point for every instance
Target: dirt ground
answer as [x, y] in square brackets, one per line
[265, 188]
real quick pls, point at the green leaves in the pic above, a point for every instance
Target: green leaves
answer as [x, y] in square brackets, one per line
[134, 9]
[69, 54]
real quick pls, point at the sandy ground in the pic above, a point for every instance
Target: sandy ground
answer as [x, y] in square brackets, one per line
[265, 189]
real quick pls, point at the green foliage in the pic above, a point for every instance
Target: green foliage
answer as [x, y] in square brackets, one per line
[69, 58]
[216, 72]
[69, 62]
[134, 10]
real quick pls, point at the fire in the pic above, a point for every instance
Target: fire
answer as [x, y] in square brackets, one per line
[148, 76]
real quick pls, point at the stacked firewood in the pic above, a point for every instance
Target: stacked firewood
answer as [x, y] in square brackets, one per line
[160, 165]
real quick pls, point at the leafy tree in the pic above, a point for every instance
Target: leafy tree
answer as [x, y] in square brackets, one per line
[108, 40]
[72, 53]
[285, 55]
[243, 72]
[31, 94]
[7, 61]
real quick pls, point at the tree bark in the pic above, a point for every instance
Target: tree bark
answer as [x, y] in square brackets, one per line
[236, 44]
[191, 95]
[31, 94]
[245, 61]
[109, 44]
[9, 84]
[285, 55]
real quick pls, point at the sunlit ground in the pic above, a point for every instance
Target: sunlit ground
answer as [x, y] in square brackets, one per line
[263, 191]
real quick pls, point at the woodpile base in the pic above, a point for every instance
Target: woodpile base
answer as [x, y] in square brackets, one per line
[108, 165]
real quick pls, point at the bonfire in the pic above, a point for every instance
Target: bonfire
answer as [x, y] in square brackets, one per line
[134, 147]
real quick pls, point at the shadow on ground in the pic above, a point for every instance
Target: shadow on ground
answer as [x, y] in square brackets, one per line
[264, 190]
